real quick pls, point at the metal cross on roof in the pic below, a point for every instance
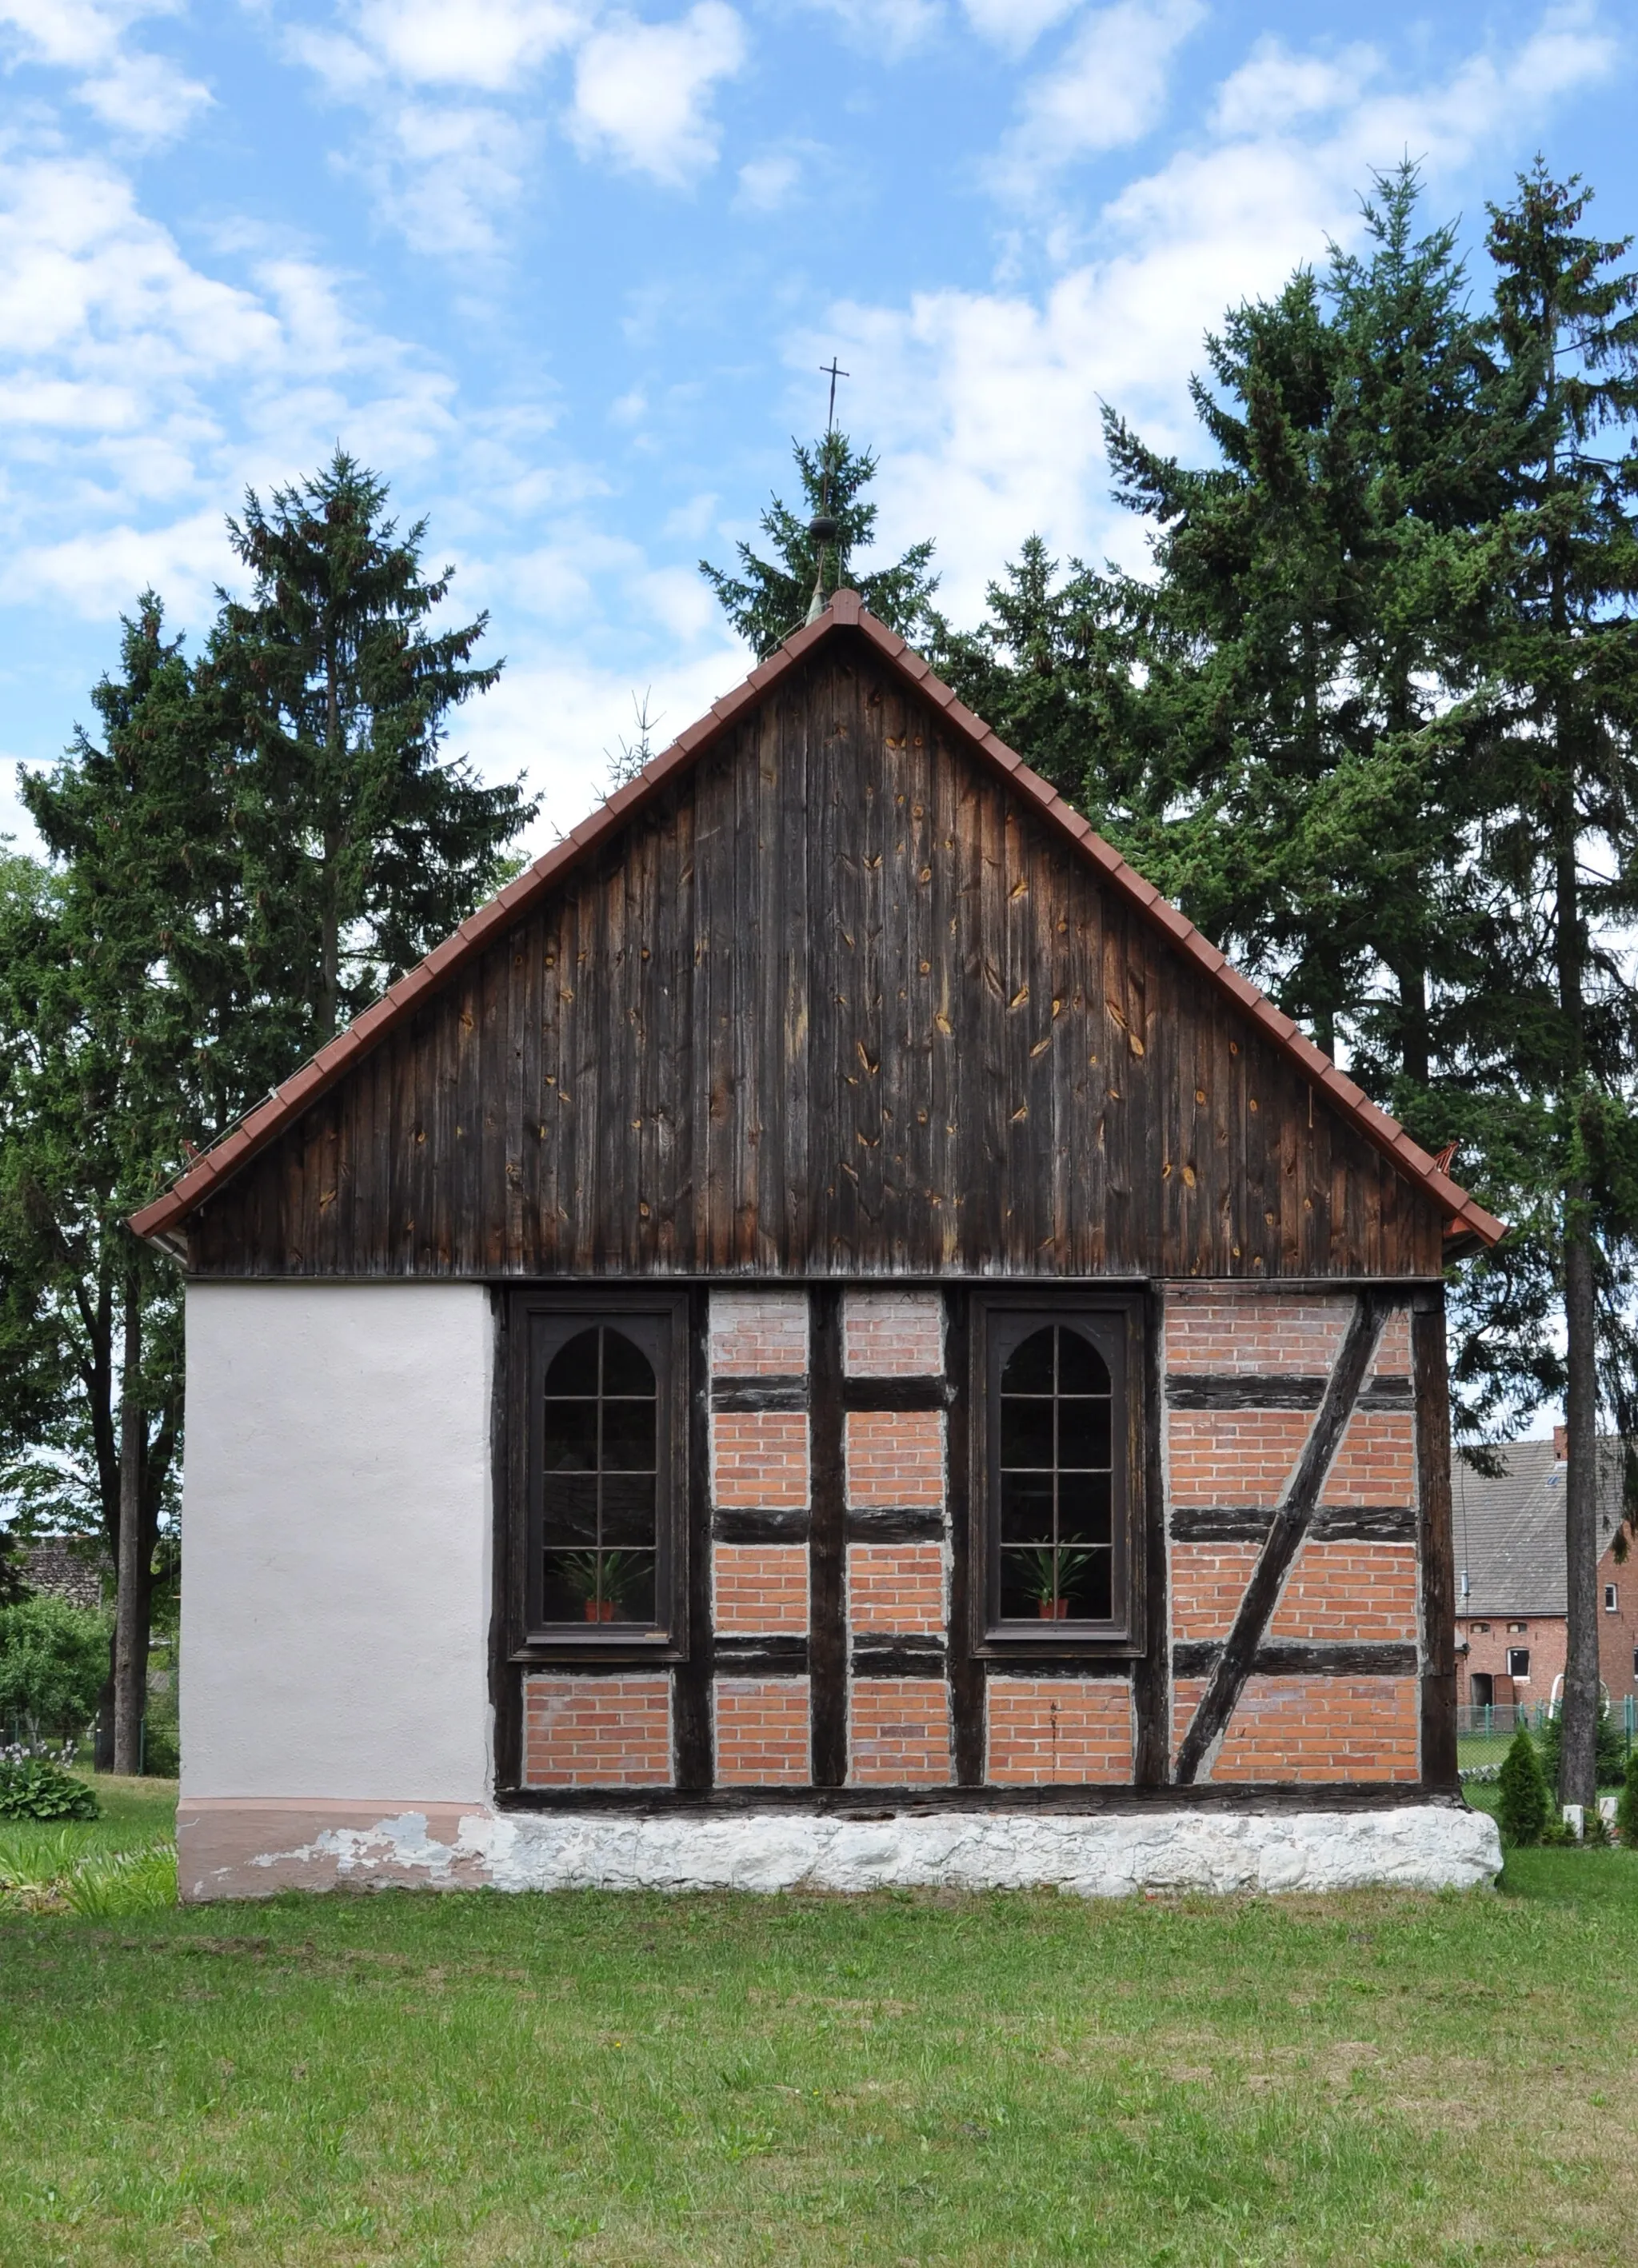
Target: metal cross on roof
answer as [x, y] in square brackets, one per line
[830, 370]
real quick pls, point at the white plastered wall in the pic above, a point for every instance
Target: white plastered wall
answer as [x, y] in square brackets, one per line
[336, 1539]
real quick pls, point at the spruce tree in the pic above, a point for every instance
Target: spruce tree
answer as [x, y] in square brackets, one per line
[361, 844]
[1522, 1811]
[1561, 845]
[768, 598]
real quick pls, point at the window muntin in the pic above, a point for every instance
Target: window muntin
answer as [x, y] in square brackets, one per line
[1057, 1448]
[599, 1448]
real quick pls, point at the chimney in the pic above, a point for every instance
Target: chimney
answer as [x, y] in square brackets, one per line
[1560, 1445]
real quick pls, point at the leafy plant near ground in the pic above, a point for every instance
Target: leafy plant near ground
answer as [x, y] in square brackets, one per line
[1521, 1806]
[1609, 1754]
[1626, 1809]
[31, 1787]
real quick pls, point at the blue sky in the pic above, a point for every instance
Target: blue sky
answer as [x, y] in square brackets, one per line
[564, 272]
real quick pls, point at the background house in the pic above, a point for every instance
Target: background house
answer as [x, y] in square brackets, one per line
[1510, 1579]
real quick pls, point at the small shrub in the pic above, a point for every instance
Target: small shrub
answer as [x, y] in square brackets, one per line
[32, 1788]
[1626, 1809]
[1609, 1759]
[1559, 1835]
[1522, 1812]
[54, 1657]
[161, 1758]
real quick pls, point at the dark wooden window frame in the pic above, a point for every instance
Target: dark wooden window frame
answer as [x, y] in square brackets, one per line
[997, 1318]
[539, 1322]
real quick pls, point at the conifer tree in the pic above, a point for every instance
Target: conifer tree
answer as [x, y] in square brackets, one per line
[362, 846]
[1521, 1810]
[1562, 844]
[114, 995]
[768, 598]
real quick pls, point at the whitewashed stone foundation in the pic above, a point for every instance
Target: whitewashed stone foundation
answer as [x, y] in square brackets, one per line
[1411, 1846]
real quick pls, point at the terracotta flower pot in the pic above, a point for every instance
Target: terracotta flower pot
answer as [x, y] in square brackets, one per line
[600, 1610]
[1053, 1610]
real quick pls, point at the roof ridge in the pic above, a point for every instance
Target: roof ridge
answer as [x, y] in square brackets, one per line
[1467, 1218]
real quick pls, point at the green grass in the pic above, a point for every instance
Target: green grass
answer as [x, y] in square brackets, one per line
[434, 2080]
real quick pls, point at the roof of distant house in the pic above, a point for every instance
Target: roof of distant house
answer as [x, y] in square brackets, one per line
[1509, 1530]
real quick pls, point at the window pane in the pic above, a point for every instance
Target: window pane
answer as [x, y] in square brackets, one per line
[569, 1511]
[1026, 1508]
[1081, 1369]
[628, 1437]
[1026, 1432]
[1083, 1435]
[629, 1509]
[1027, 1582]
[1029, 1368]
[626, 1368]
[1083, 1508]
[598, 1587]
[574, 1368]
[1092, 1589]
[571, 1441]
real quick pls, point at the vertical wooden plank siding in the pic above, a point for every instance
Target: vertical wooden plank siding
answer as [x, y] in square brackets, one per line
[838, 1003]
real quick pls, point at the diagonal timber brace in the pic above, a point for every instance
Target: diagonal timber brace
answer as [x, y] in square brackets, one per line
[1292, 1521]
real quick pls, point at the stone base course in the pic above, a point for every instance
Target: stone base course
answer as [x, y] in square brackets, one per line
[253, 1850]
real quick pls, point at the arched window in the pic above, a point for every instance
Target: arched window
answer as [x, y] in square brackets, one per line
[602, 1452]
[1060, 1443]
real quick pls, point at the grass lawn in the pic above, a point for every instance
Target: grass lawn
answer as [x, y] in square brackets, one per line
[474, 2080]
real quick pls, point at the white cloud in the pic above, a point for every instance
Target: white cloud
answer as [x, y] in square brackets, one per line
[139, 393]
[482, 43]
[1016, 24]
[1273, 88]
[985, 405]
[142, 96]
[1107, 88]
[769, 182]
[887, 28]
[641, 91]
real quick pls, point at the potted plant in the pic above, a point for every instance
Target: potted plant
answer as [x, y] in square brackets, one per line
[602, 1578]
[1050, 1575]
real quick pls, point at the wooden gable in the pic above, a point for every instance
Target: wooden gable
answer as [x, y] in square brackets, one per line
[839, 1000]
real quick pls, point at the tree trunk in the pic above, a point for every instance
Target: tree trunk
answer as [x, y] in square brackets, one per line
[130, 1620]
[1576, 1768]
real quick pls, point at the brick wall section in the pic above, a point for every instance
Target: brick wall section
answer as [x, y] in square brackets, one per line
[895, 1588]
[1339, 1728]
[1209, 1581]
[1234, 1456]
[758, 1459]
[896, 1457]
[1617, 1633]
[893, 1335]
[1375, 1460]
[899, 1733]
[1339, 1592]
[1047, 1731]
[1250, 1334]
[759, 1334]
[597, 1732]
[760, 1587]
[762, 1732]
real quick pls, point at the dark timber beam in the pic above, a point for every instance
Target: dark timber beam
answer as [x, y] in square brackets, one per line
[827, 1627]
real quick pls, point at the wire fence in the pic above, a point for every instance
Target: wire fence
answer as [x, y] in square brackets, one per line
[1484, 1735]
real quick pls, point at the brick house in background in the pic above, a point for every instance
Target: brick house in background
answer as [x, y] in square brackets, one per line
[1510, 1589]
[825, 1336]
